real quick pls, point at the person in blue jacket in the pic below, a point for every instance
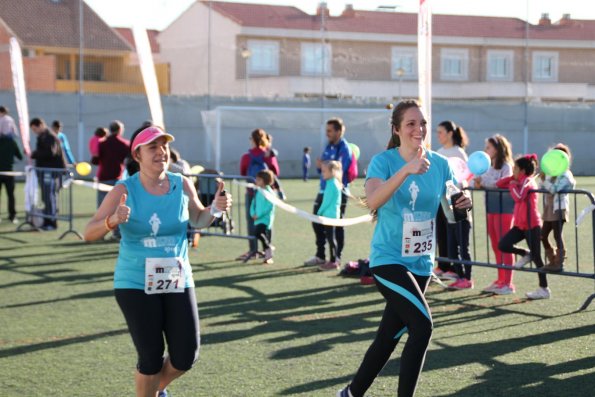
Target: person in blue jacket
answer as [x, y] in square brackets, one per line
[68, 156]
[404, 186]
[262, 212]
[331, 208]
[337, 149]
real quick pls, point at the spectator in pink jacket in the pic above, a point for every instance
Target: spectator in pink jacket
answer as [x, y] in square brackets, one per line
[527, 220]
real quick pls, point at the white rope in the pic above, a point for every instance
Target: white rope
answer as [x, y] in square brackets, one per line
[584, 213]
[303, 214]
[12, 173]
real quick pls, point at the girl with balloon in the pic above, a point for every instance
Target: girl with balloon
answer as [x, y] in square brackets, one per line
[556, 177]
[527, 220]
[499, 207]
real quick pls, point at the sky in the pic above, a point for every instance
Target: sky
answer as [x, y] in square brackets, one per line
[158, 14]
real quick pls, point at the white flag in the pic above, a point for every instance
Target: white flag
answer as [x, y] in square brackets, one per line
[20, 92]
[147, 68]
[424, 62]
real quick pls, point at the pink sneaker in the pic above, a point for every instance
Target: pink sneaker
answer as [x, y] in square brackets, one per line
[366, 280]
[448, 276]
[328, 266]
[438, 272]
[461, 283]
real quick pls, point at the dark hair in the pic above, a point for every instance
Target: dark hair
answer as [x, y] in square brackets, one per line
[397, 118]
[267, 177]
[527, 163]
[56, 124]
[3, 109]
[337, 124]
[260, 138]
[564, 148]
[503, 150]
[132, 166]
[115, 126]
[459, 136]
[174, 155]
[307, 149]
[37, 122]
[134, 134]
[100, 132]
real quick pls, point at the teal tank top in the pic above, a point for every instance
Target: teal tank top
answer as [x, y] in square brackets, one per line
[156, 229]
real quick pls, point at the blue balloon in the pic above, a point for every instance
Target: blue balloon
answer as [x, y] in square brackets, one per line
[479, 162]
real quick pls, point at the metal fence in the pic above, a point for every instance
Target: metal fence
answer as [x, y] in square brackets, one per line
[53, 186]
[580, 261]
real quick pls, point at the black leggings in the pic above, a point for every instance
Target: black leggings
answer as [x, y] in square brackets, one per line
[150, 317]
[556, 227]
[458, 246]
[264, 235]
[319, 228]
[406, 310]
[331, 238]
[532, 237]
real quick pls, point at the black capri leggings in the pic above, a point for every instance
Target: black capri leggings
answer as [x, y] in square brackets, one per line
[406, 310]
[150, 317]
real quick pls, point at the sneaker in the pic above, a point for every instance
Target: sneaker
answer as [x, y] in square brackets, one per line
[522, 262]
[492, 287]
[268, 255]
[163, 393]
[448, 276]
[504, 290]
[539, 293]
[344, 392]
[314, 261]
[14, 221]
[366, 280]
[461, 283]
[327, 266]
[438, 272]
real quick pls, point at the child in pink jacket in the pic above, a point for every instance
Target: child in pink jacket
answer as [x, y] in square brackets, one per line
[527, 220]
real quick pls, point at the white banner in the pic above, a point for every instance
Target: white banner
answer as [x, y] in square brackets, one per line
[20, 92]
[424, 62]
[147, 68]
[272, 197]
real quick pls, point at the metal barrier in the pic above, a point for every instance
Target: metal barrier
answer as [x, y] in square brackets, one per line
[578, 270]
[54, 186]
[233, 223]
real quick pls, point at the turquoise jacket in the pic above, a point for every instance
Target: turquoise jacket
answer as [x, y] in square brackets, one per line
[263, 209]
[331, 200]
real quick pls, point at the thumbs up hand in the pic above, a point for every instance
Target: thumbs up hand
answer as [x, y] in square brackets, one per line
[122, 212]
[419, 164]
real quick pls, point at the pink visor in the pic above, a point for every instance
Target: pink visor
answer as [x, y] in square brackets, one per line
[148, 135]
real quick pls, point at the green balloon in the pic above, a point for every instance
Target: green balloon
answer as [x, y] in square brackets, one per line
[554, 162]
[355, 150]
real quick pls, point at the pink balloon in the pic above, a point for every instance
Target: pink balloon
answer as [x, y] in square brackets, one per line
[460, 169]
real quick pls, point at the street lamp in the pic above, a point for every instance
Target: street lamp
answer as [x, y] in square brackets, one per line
[400, 73]
[246, 54]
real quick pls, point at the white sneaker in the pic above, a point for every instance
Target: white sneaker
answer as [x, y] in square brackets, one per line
[503, 290]
[314, 261]
[540, 293]
[522, 262]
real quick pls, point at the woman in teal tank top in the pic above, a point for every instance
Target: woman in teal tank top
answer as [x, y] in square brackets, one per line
[153, 277]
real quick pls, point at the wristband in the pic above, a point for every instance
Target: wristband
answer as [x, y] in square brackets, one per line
[215, 212]
[107, 225]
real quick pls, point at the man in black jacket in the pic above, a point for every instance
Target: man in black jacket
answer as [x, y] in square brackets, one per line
[9, 150]
[48, 154]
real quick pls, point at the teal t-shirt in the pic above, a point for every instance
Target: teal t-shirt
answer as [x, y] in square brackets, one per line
[331, 200]
[263, 209]
[415, 205]
[156, 229]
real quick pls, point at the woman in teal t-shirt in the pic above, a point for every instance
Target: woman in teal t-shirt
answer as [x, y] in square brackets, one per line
[153, 278]
[404, 185]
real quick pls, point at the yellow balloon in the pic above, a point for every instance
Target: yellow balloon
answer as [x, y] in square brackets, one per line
[83, 168]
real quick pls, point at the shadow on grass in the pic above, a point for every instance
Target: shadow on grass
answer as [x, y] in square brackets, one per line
[30, 348]
[501, 380]
[87, 295]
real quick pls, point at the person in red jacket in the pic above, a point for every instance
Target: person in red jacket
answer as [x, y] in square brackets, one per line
[527, 220]
[257, 159]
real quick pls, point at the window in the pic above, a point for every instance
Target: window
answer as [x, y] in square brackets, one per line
[316, 59]
[545, 66]
[500, 65]
[404, 58]
[454, 64]
[264, 58]
[92, 71]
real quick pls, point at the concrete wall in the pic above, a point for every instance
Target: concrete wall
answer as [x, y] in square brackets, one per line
[572, 123]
